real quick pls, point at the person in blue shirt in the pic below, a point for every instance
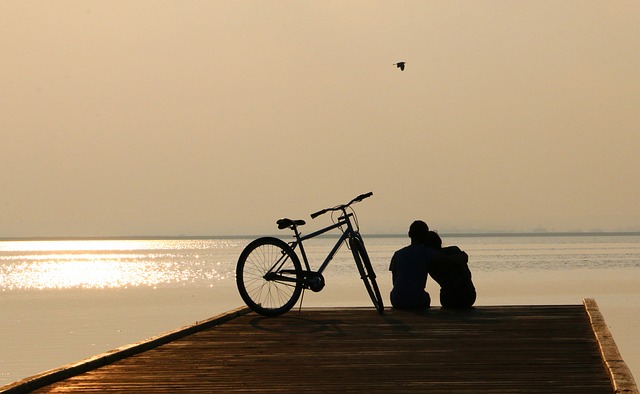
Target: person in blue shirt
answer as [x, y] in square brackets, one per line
[409, 270]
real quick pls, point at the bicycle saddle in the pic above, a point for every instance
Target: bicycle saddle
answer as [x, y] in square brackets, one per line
[284, 223]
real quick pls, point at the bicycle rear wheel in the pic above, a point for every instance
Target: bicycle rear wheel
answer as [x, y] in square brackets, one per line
[268, 276]
[366, 272]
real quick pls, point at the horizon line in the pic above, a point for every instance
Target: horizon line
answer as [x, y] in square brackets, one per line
[372, 235]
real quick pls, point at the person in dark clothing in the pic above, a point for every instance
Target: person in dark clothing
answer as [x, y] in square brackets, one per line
[453, 276]
[410, 268]
[409, 271]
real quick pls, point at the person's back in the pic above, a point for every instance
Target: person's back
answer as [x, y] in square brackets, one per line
[409, 275]
[452, 274]
[409, 267]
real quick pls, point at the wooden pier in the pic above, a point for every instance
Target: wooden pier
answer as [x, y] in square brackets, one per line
[505, 349]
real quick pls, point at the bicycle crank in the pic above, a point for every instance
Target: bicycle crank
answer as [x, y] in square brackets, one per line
[314, 281]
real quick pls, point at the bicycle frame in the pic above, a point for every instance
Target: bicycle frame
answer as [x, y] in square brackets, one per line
[348, 233]
[271, 277]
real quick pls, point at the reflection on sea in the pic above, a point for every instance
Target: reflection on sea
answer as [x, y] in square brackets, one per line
[115, 263]
[98, 264]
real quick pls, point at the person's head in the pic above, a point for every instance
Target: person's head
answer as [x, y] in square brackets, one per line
[418, 231]
[433, 240]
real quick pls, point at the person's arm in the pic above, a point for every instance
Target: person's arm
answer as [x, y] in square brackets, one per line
[393, 258]
[454, 255]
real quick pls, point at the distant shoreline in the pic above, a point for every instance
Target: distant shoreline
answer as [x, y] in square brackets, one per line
[366, 235]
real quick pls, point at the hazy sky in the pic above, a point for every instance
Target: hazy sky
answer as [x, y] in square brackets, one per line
[219, 117]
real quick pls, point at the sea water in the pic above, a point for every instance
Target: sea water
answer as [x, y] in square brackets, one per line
[62, 301]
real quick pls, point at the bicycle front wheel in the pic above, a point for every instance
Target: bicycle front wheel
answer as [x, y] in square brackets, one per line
[366, 273]
[268, 276]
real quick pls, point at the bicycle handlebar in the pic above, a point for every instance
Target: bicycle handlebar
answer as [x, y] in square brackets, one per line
[341, 207]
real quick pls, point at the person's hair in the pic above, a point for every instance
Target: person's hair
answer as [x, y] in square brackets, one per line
[418, 230]
[433, 240]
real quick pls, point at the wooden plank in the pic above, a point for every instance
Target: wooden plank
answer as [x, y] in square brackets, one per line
[512, 349]
[620, 375]
[48, 377]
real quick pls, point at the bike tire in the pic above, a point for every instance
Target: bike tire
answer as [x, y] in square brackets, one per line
[269, 297]
[367, 273]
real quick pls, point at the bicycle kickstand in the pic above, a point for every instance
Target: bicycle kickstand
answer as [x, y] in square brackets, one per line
[301, 299]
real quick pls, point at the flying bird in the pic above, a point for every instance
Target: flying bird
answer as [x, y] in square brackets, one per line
[400, 65]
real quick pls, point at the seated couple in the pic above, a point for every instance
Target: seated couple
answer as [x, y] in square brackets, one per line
[425, 256]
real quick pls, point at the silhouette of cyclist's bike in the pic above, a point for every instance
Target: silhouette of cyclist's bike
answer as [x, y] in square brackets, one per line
[270, 277]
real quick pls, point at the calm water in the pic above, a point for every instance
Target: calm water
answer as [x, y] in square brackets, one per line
[62, 301]
[37, 265]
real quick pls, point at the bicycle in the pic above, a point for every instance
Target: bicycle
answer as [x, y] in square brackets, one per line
[270, 276]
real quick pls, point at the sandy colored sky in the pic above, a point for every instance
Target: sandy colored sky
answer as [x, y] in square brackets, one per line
[219, 117]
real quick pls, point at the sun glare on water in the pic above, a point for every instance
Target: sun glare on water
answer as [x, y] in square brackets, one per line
[75, 245]
[104, 264]
[83, 271]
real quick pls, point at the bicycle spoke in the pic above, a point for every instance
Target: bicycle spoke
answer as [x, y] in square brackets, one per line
[266, 276]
